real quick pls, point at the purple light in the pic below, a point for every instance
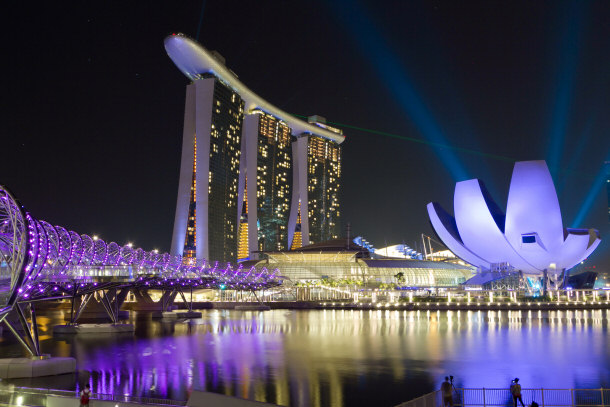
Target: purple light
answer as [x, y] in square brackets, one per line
[53, 251]
[529, 238]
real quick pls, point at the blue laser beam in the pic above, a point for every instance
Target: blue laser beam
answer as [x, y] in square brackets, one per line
[200, 20]
[596, 187]
[394, 76]
[573, 16]
[582, 140]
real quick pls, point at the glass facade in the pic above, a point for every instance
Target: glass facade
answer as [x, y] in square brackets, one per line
[297, 238]
[233, 229]
[223, 226]
[190, 242]
[273, 182]
[243, 251]
[223, 177]
[225, 153]
[323, 182]
[304, 266]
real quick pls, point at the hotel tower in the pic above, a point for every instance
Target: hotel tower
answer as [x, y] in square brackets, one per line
[252, 177]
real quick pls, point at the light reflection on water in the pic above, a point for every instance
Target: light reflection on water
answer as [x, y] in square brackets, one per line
[335, 357]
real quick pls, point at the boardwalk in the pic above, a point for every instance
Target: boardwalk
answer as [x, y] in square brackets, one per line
[502, 398]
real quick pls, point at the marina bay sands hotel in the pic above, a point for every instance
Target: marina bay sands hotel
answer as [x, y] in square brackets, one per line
[252, 177]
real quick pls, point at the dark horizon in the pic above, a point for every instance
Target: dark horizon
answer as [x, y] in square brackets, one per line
[93, 119]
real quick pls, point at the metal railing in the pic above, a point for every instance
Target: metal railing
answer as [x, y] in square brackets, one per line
[138, 399]
[502, 397]
[27, 396]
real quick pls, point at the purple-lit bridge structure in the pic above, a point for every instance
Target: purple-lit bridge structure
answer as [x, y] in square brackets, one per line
[41, 262]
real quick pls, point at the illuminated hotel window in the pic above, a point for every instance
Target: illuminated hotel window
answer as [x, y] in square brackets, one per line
[223, 175]
[297, 238]
[324, 171]
[190, 238]
[273, 192]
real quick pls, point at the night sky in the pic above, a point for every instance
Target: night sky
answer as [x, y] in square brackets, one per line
[92, 106]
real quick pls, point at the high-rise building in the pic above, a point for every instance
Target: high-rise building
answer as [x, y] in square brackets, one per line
[268, 176]
[253, 177]
[209, 173]
[243, 247]
[317, 181]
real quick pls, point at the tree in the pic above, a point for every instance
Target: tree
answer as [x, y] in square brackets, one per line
[400, 277]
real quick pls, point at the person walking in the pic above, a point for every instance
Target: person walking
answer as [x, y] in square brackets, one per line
[447, 393]
[515, 390]
[84, 396]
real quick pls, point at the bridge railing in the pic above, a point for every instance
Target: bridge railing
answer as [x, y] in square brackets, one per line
[36, 397]
[484, 397]
[80, 272]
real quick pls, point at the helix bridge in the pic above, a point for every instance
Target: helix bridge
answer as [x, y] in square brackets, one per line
[41, 262]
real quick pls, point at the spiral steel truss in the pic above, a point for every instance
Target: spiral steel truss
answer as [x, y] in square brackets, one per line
[40, 261]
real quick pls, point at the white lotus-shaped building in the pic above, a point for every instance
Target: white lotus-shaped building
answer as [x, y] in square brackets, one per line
[530, 237]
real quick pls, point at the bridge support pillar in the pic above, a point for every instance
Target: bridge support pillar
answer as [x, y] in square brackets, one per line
[36, 364]
[100, 304]
[189, 313]
[167, 299]
[167, 304]
[103, 303]
[145, 303]
[29, 339]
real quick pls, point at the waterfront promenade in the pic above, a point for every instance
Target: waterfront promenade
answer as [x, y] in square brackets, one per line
[409, 306]
[462, 397]
[320, 357]
[501, 397]
[36, 397]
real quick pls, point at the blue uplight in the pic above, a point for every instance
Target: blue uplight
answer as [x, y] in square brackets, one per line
[584, 136]
[596, 187]
[573, 17]
[395, 78]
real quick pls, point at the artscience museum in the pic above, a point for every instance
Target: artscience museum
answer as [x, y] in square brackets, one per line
[529, 237]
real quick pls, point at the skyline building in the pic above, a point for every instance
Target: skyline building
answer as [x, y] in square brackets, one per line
[529, 237]
[268, 189]
[253, 178]
[211, 140]
[340, 260]
[316, 182]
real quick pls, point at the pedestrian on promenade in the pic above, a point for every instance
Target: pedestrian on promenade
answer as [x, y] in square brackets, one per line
[447, 393]
[84, 396]
[515, 390]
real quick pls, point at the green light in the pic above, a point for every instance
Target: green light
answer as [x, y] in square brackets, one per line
[438, 145]
[222, 286]
[417, 140]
